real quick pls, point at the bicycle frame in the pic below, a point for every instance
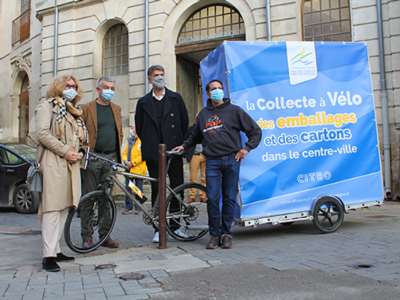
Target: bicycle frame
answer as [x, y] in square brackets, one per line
[114, 180]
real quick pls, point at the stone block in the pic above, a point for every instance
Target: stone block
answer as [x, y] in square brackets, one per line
[114, 291]
[65, 51]
[155, 34]
[286, 38]
[154, 48]
[47, 66]
[136, 91]
[165, 6]
[395, 44]
[136, 64]
[87, 97]
[396, 100]
[84, 73]
[136, 37]
[83, 48]
[281, 12]
[48, 20]
[362, 3]
[97, 10]
[137, 51]
[84, 36]
[365, 32]
[66, 27]
[91, 22]
[65, 39]
[394, 26]
[364, 15]
[134, 12]
[48, 43]
[157, 20]
[259, 15]
[48, 31]
[396, 79]
[282, 27]
[395, 62]
[65, 15]
[393, 9]
[137, 77]
[136, 25]
[83, 60]
[261, 31]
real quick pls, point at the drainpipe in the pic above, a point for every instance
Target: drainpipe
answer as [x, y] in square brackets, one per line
[268, 16]
[146, 45]
[384, 100]
[55, 38]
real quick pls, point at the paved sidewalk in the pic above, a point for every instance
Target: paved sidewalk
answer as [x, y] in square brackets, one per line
[365, 246]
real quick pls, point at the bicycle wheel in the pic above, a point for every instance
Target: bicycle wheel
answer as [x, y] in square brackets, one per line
[187, 221]
[94, 221]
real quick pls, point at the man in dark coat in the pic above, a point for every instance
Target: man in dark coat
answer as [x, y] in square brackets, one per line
[161, 118]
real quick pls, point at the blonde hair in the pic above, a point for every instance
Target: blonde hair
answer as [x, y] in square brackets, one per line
[57, 86]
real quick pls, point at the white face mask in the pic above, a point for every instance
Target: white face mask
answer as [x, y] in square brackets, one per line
[69, 94]
[131, 132]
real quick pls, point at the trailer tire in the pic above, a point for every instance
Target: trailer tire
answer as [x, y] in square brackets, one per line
[328, 214]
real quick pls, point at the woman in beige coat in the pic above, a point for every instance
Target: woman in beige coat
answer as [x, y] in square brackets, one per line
[62, 142]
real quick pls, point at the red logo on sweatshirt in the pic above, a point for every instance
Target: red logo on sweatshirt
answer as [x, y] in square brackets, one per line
[213, 124]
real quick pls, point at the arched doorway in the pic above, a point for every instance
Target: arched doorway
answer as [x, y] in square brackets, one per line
[23, 111]
[200, 34]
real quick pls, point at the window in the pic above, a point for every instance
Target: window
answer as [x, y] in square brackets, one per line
[115, 51]
[214, 21]
[326, 20]
[22, 25]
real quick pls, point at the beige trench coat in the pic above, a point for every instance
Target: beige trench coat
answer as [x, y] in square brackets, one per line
[61, 180]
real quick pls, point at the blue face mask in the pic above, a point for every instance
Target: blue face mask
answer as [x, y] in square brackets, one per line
[69, 95]
[107, 95]
[217, 95]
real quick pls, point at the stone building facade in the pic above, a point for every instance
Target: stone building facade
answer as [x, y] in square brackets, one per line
[112, 37]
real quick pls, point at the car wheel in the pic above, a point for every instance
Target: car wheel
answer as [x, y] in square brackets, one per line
[24, 202]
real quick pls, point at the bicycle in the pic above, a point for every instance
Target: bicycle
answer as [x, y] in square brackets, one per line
[98, 213]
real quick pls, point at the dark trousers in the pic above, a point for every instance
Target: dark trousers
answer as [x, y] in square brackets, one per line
[222, 173]
[175, 174]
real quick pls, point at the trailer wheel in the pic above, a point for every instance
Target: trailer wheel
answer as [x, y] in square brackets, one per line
[328, 214]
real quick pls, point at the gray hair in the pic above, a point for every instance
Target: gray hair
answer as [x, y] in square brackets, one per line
[109, 79]
[154, 67]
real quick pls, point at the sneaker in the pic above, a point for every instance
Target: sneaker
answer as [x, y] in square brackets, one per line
[181, 232]
[137, 212]
[126, 211]
[213, 243]
[156, 238]
[191, 200]
[203, 200]
[226, 242]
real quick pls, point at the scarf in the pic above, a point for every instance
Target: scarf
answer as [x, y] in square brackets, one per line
[63, 108]
[131, 142]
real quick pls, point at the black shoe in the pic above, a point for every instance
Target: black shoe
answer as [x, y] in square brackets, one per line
[49, 264]
[213, 243]
[62, 257]
[226, 242]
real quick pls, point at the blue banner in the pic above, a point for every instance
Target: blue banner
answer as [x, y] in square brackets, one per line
[314, 104]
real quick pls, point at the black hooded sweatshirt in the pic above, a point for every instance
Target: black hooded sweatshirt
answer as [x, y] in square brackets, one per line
[218, 129]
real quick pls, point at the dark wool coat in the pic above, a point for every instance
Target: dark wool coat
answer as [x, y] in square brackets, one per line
[174, 123]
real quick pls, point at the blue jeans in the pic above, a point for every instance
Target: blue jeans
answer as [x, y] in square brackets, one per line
[139, 184]
[221, 173]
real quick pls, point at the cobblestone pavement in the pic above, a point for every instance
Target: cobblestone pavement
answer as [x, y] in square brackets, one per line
[366, 244]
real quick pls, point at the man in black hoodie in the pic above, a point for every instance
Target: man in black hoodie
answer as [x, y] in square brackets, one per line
[218, 128]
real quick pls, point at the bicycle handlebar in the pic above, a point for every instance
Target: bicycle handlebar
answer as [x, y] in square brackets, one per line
[113, 163]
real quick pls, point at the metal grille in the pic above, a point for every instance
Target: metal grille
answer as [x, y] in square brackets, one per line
[326, 20]
[115, 51]
[214, 21]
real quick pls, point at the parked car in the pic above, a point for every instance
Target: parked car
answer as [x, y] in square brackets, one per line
[15, 160]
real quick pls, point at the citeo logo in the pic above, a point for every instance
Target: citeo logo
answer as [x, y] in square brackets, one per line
[317, 176]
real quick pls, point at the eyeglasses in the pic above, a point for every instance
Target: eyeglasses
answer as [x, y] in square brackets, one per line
[71, 86]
